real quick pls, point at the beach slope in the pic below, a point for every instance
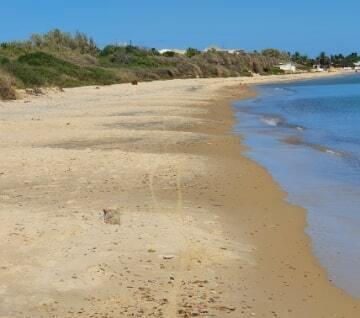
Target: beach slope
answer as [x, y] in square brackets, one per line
[135, 201]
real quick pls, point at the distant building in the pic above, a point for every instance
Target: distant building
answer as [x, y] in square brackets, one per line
[318, 68]
[218, 49]
[177, 51]
[288, 67]
[357, 66]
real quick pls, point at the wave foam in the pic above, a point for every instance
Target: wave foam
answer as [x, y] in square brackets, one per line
[271, 121]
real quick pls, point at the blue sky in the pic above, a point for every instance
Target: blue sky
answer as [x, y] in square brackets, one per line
[304, 25]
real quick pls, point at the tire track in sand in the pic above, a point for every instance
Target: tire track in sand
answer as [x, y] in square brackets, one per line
[183, 259]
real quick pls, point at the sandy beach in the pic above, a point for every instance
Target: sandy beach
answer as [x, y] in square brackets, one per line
[193, 228]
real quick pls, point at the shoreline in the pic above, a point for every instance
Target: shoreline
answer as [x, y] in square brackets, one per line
[197, 218]
[303, 171]
[319, 293]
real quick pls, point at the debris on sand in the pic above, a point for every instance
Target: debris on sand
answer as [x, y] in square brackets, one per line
[168, 257]
[112, 216]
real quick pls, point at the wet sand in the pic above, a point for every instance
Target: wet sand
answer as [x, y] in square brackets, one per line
[200, 230]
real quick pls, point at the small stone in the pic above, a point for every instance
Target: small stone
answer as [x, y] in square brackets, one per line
[168, 257]
[112, 216]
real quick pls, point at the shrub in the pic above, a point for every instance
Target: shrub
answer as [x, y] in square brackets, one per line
[130, 56]
[129, 50]
[7, 92]
[43, 59]
[246, 73]
[4, 60]
[61, 59]
[274, 71]
[274, 53]
[110, 49]
[169, 54]
[41, 69]
[58, 40]
[190, 52]
[14, 49]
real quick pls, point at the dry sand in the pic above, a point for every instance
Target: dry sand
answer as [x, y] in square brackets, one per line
[192, 229]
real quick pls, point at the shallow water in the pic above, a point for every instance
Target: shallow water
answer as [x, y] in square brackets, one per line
[307, 134]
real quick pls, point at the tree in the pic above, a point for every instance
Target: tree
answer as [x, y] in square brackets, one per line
[323, 60]
[304, 60]
[274, 53]
[190, 52]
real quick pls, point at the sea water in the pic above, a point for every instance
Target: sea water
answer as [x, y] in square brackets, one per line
[307, 135]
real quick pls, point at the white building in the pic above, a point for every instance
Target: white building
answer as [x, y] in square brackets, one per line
[287, 67]
[177, 51]
[357, 66]
[318, 68]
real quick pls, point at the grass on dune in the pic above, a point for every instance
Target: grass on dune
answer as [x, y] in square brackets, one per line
[43, 69]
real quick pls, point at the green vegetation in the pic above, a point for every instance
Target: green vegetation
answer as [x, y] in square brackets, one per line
[274, 53]
[326, 61]
[43, 69]
[54, 40]
[129, 56]
[169, 54]
[61, 59]
[340, 60]
[65, 60]
[190, 52]
[274, 71]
